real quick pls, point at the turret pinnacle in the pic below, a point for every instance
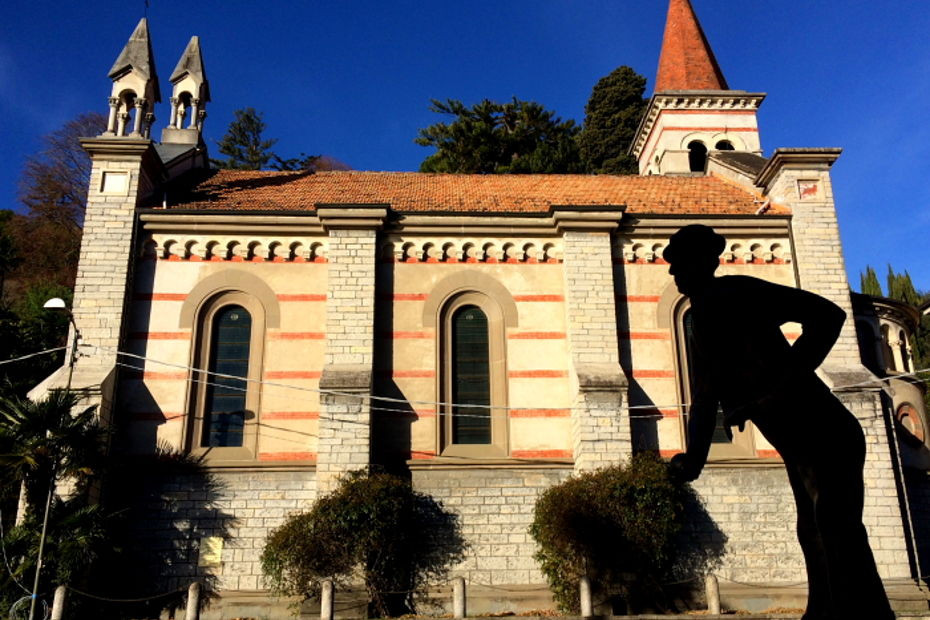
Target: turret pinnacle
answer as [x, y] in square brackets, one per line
[686, 62]
[137, 56]
[191, 63]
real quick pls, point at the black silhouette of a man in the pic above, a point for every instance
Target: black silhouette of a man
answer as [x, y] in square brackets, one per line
[743, 362]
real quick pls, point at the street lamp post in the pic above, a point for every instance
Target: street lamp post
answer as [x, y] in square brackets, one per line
[57, 304]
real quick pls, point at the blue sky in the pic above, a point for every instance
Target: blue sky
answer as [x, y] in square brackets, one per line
[353, 80]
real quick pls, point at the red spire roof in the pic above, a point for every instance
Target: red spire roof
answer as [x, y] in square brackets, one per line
[686, 62]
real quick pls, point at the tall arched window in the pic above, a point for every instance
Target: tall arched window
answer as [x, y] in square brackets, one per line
[887, 352]
[724, 145]
[721, 446]
[902, 350]
[473, 383]
[697, 156]
[225, 408]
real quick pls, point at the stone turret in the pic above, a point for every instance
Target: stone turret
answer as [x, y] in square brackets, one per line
[189, 96]
[693, 110]
[135, 87]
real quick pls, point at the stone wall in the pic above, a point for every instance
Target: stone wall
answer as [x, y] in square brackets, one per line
[496, 510]
[179, 513]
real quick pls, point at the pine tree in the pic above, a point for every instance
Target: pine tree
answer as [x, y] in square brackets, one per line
[869, 284]
[901, 288]
[243, 144]
[518, 137]
[612, 117]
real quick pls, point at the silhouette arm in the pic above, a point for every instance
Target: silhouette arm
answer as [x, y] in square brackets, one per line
[702, 420]
[821, 322]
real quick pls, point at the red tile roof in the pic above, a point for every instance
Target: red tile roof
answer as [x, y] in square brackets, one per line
[686, 61]
[235, 190]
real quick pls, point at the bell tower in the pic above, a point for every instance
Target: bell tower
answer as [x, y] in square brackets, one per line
[693, 110]
[189, 97]
[135, 87]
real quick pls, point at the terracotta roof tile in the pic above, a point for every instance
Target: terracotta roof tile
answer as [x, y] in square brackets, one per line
[232, 190]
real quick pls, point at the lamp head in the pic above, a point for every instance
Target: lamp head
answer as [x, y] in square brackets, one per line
[55, 303]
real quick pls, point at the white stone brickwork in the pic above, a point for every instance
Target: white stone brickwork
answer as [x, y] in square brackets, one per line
[345, 421]
[601, 430]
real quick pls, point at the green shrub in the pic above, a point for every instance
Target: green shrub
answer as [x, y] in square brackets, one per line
[616, 525]
[373, 524]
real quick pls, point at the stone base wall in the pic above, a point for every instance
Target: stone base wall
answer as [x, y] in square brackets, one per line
[496, 510]
[749, 516]
[179, 514]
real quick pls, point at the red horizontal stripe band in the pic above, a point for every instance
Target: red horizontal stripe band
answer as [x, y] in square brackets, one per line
[645, 335]
[405, 335]
[296, 336]
[768, 454]
[638, 298]
[156, 376]
[667, 454]
[541, 454]
[539, 298]
[536, 374]
[413, 373]
[540, 413]
[291, 415]
[292, 374]
[159, 336]
[302, 297]
[287, 456]
[160, 296]
[743, 129]
[654, 374]
[404, 297]
[422, 454]
[536, 336]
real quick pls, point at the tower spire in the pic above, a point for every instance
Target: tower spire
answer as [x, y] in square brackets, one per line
[190, 93]
[135, 86]
[693, 113]
[687, 61]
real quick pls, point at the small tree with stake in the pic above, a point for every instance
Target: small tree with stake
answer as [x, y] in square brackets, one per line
[400, 540]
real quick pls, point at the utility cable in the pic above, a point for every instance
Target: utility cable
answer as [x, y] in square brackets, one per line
[25, 357]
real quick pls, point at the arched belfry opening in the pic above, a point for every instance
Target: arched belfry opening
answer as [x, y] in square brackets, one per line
[697, 156]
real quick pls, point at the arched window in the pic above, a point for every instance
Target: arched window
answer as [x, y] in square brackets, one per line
[724, 145]
[887, 352]
[470, 377]
[473, 383]
[224, 404]
[902, 350]
[225, 408]
[697, 156]
[721, 446]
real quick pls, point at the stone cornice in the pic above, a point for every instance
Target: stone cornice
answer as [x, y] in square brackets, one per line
[352, 216]
[171, 221]
[796, 158]
[691, 100]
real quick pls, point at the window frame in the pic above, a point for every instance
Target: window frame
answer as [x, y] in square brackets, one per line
[203, 341]
[743, 444]
[497, 371]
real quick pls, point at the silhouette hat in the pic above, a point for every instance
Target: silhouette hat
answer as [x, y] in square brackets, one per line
[694, 241]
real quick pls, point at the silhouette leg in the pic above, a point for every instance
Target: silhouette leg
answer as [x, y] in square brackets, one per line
[818, 581]
[855, 584]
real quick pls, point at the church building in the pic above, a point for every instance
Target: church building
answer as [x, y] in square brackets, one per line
[488, 335]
